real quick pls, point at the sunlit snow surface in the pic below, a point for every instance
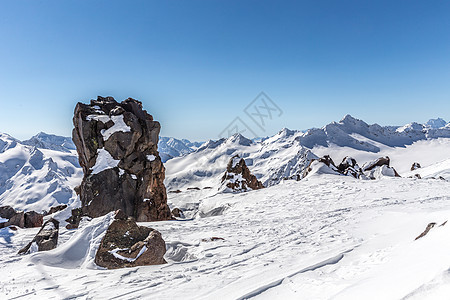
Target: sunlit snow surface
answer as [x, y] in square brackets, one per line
[320, 238]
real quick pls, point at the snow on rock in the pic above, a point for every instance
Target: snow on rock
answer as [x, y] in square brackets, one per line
[126, 244]
[119, 126]
[104, 161]
[79, 251]
[101, 152]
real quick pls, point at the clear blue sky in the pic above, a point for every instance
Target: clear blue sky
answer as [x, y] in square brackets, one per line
[197, 64]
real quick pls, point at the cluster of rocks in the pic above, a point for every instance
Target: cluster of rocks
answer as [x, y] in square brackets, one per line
[21, 219]
[117, 149]
[123, 172]
[238, 177]
[350, 167]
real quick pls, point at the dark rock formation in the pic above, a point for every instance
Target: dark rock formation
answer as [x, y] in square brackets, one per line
[7, 212]
[415, 166]
[46, 239]
[382, 161]
[238, 177]
[126, 244]
[117, 148]
[349, 166]
[25, 220]
[326, 159]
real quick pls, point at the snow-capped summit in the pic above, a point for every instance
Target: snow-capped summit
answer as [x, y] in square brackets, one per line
[239, 139]
[436, 123]
[51, 142]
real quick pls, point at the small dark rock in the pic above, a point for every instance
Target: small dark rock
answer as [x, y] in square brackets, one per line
[175, 192]
[429, 227]
[177, 213]
[46, 239]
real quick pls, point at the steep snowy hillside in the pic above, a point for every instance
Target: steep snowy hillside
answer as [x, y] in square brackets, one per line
[319, 238]
[36, 179]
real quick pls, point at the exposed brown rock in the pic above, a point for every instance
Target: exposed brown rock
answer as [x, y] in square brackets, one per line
[382, 161]
[126, 244]
[46, 239]
[25, 220]
[238, 177]
[7, 212]
[33, 219]
[349, 166]
[55, 209]
[429, 227]
[135, 185]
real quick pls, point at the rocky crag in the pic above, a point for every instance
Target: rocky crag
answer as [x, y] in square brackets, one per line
[238, 177]
[117, 149]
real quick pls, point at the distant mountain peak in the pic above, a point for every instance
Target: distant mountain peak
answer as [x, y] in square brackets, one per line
[238, 138]
[436, 123]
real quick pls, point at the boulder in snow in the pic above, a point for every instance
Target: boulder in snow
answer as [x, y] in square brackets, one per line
[126, 244]
[46, 239]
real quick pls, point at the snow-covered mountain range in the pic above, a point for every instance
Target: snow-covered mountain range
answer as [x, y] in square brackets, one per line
[324, 236]
[41, 172]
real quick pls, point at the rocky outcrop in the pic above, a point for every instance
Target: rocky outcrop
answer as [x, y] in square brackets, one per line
[349, 167]
[55, 209]
[238, 178]
[323, 165]
[46, 239]
[19, 218]
[126, 244]
[415, 166]
[379, 167]
[117, 149]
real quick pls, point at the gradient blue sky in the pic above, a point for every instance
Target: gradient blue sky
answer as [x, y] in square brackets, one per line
[197, 64]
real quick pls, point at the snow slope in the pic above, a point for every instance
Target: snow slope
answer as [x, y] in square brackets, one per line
[323, 237]
[36, 179]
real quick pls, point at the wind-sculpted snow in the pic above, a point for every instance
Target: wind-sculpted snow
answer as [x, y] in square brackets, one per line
[318, 238]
